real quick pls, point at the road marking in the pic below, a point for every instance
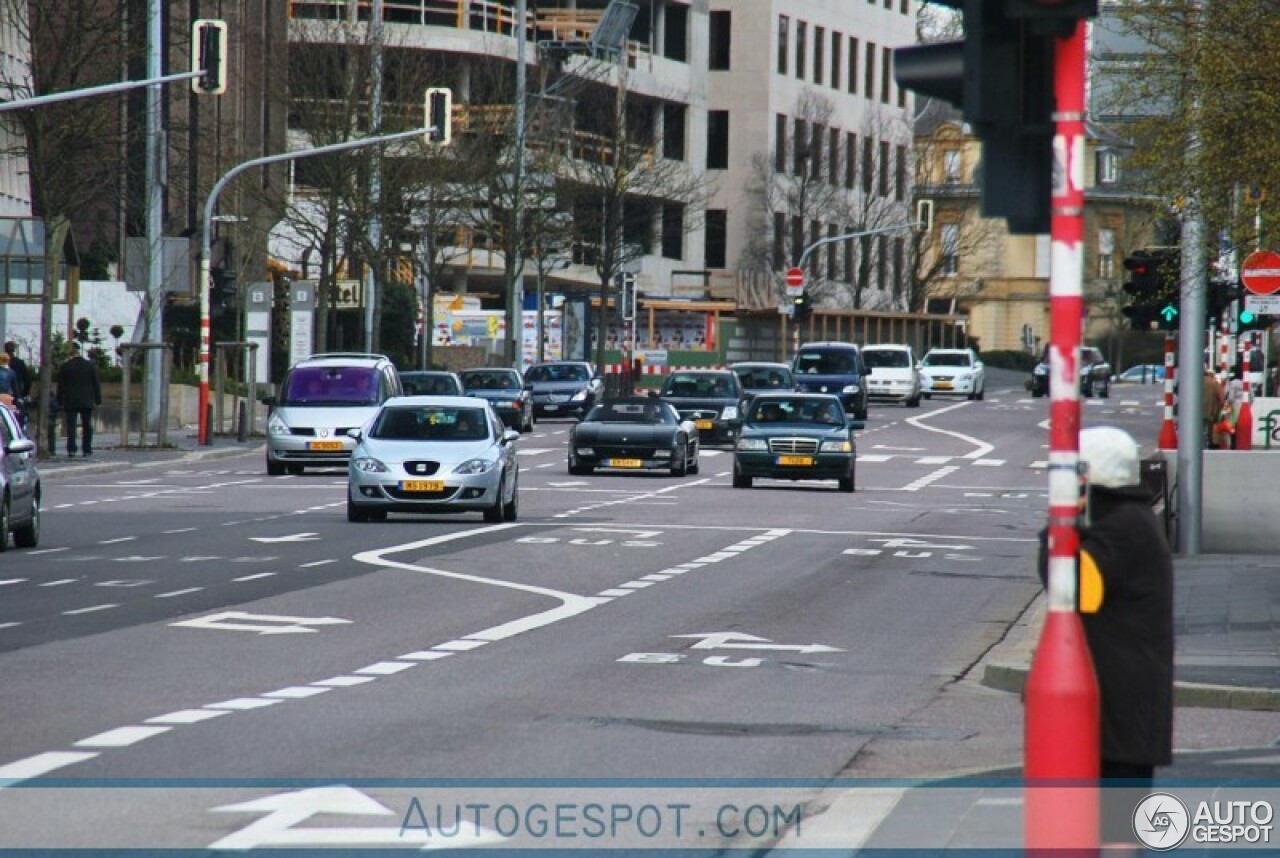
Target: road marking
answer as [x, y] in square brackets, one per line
[983, 447]
[898, 449]
[294, 537]
[59, 582]
[13, 581]
[9, 625]
[425, 655]
[117, 540]
[121, 737]
[930, 478]
[344, 681]
[735, 640]
[199, 558]
[1040, 465]
[89, 610]
[187, 716]
[138, 558]
[873, 458]
[263, 624]
[297, 692]
[242, 704]
[934, 460]
[635, 585]
[992, 463]
[255, 576]
[173, 593]
[459, 645]
[315, 563]
[41, 764]
[47, 551]
[125, 583]
[386, 668]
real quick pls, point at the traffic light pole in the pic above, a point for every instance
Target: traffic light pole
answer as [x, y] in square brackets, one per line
[1062, 728]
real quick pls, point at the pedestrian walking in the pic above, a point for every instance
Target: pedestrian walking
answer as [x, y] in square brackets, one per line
[79, 393]
[1214, 399]
[1126, 608]
[20, 369]
[8, 383]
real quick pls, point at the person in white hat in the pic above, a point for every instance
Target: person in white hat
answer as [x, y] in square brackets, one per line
[1126, 608]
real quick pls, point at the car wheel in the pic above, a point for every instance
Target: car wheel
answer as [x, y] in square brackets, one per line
[511, 509]
[579, 470]
[1087, 390]
[927, 395]
[296, 470]
[528, 424]
[274, 468]
[377, 515]
[1105, 392]
[354, 513]
[493, 515]
[741, 481]
[914, 402]
[846, 483]
[4, 524]
[982, 392]
[28, 536]
[679, 470]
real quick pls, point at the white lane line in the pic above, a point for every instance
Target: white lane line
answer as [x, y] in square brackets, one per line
[934, 460]
[635, 585]
[344, 681]
[47, 551]
[613, 594]
[9, 625]
[179, 530]
[459, 645]
[983, 447]
[425, 655]
[173, 593]
[991, 463]
[241, 704]
[59, 582]
[187, 716]
[13, 581]
[656, 576]
[40, 764]
[118, 539]
[255, 576]
[297, 692]
[1039, 465]
[873, 457]
[932, 477]
[89, 610]
[315, 563]
[121, 737]
[386, 668]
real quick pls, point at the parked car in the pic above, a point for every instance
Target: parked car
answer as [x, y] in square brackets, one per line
[835, 368]
[763, 377]
[712, 398]
[1095, 374]
[506, 391]
[563, 388]
[1143, 373]
[895, 375]
[431, 454]
[322, 398]
[431, 382]
[20, 490]
[796, 436]
[953, 371]
[634, 433]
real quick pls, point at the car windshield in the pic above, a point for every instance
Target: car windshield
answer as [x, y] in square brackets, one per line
[826, 363]
[630, 412]
[946, 359]
[429, 385]
[764, 378]
[490, 379]
[558, 372]
[686, 386]
[431, 423]
[886, 358]
[331, 385]
[820, 411]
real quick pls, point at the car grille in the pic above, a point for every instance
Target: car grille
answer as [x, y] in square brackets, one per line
[397, 494]
[421, 469]
[699, 414]
[944, 378]
[551, 397]
[620, 451]
[310, 432]
[793, 445]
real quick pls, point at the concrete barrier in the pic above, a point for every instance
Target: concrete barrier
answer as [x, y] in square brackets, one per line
[1237, 516]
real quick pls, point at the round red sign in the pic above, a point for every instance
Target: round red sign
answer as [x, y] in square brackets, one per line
[795, 276]
[1260, 273]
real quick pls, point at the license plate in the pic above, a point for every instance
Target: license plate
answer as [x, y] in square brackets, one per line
[552, 407]
[795, 460]
[705, 424]
[942, 385]
[422, 486]
[625, 463]
[324, 445]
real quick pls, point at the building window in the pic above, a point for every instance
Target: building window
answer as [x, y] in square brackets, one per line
[869, 85]
[815, 151]
[1108, 168]
[884, 168]
[833, 156]
[900, 175]
[886, 74]
[899, 263]
[797, 237]
[819, 54]
[882, 261]
[675, 37]
[1106, 254]
[850, 160]
[868, 164]
[717, 139]
[951, 249]
[848, 256]
[951, 166]
[673, 119]
[779, 241]
[837, 41]
[815, 235]
[905, 7]
[780, 143]
[801, 143]
[721, 31]
[853, 66]
[673, 231]
[832, 248]
[784, 39]
[717, 235]
[802, 36]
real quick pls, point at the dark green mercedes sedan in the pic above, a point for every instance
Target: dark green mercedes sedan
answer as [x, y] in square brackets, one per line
[796, 436]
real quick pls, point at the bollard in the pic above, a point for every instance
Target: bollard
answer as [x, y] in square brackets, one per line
[242, 430]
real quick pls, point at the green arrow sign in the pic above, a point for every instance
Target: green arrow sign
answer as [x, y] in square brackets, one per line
[1168, 311]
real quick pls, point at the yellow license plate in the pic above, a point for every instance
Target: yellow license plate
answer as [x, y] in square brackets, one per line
[324, 445]
[943, 385]
[795, 460]
[625, 463]
[705, 424]
[422, 486]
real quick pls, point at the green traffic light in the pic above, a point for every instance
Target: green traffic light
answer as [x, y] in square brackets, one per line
[1168, 311]
[1246, 317]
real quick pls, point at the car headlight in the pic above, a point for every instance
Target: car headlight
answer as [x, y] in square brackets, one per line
[836, 447]
[276, 426]
[579, 396]
[476, 466]
[730, 413]
[586, 451]
[850, 388]
[511, 404]
[368, 465]
[964, 376]
[752, 444]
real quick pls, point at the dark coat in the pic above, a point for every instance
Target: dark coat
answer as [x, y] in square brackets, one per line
[1131, 635]
[78, 384]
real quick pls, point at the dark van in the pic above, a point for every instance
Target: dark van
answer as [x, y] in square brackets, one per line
[835, 368]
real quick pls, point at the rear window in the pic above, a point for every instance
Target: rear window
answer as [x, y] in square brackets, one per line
[886, 358]
[764, 378]
[429, 385]
[490, 379]
[827, 362]
[681, 385]
[331, 385]
[558, 372]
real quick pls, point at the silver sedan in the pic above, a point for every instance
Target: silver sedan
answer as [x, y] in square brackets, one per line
[433, 454]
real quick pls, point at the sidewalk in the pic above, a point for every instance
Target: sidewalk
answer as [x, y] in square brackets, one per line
[109, 455]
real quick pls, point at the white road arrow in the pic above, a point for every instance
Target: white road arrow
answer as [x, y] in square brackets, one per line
[286, 810]
[296, 537]
[904, 542]
[263, 624]
[639, 534]
[732, 640]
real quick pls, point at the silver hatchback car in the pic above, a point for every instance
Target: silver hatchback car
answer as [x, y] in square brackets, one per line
[434, 454]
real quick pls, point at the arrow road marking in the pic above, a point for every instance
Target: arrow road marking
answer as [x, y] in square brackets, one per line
[296, 537]
[733, 640]
[263, 624]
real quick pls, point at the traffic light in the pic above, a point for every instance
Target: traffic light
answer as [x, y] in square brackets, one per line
[802, 306]
[1153, 288]
[439, 110]
[208, 56]
[1001, 77]
[1222, 294]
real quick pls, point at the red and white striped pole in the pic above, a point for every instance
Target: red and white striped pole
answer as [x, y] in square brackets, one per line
[1061, 733]
[1244, 417]
[1168, 429]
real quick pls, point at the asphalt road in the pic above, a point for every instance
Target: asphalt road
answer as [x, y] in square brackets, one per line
[189, 649]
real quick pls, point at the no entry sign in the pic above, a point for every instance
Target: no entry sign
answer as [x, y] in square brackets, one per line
[1260, 273]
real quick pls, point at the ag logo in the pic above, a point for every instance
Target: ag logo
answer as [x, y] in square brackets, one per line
[1161, 822]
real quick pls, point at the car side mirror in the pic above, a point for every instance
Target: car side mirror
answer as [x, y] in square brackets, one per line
[269, 401]
[856, 425]
[510, 435]
[22, 445]
[977, 364]
[355, 433]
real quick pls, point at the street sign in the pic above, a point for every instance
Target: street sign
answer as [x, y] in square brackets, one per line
[795, 281]
[1263, 305]
[1260, 273]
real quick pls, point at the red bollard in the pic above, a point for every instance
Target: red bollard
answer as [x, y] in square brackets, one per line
[1168, 429]
[1244, 418]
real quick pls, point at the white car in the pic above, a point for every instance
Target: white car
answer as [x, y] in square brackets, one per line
[895, 375]
[953, 371]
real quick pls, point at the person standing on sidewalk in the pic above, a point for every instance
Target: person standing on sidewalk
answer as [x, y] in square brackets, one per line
[20, 369]
[1211, 405]
[79, 393]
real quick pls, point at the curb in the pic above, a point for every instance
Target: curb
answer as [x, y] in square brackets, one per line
[1009, 662]
[62, 471]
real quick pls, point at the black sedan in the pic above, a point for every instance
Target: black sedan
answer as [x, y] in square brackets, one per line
[796, 436]
[506, 391]
[712, 399]
[635, 434]
[564, 388]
